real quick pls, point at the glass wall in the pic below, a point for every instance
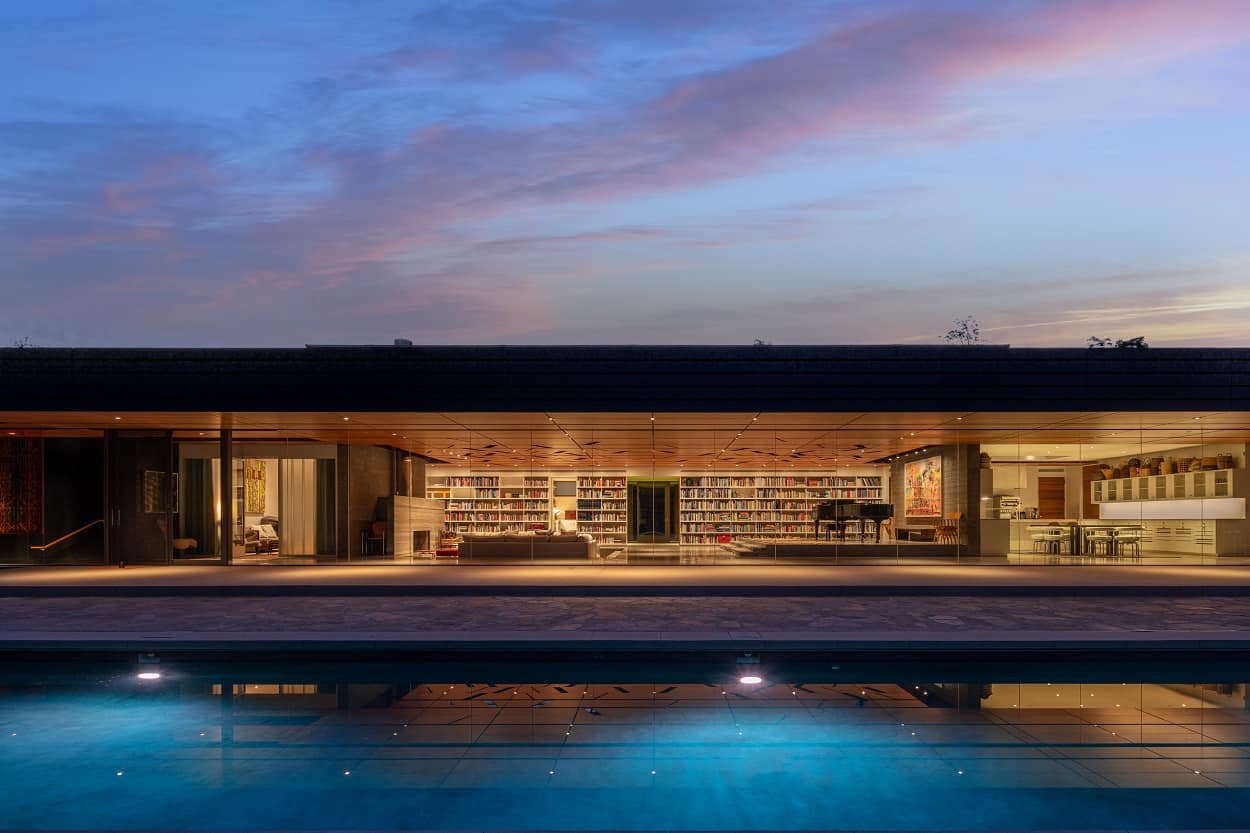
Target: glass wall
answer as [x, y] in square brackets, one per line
[640, 488]
[52, 498]
[283, 505]
[1125, 488]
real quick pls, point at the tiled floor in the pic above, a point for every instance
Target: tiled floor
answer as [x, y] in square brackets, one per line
[573, 615]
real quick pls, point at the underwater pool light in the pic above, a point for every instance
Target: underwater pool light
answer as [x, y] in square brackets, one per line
[149, 667]
[752, 675]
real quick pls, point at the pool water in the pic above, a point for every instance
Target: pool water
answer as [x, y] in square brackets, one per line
[313, 748]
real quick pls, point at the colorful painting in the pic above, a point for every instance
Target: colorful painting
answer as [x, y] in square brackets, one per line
[922, 488]
[254, 481]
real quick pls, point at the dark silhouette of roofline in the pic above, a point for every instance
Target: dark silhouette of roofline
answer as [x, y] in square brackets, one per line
[836, 378]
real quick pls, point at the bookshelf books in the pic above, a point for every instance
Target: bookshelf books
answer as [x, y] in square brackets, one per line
[601, 508]
[717, 508]
[489, 503]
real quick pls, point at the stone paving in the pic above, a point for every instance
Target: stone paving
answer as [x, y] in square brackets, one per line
[674, 615]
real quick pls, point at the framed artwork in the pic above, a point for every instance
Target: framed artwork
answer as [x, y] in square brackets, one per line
[922, 488]
[160, 492]
[254, 483]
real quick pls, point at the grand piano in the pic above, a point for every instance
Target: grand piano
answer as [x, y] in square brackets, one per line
[835, 513]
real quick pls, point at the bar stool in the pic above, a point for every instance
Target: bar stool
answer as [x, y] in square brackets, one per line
[1098, 540]
[1126, 539]
[1049, 539]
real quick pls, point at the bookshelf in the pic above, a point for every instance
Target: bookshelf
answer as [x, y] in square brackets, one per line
[525, 504]
[489, 503]
[601, 508]
[438, 488]
[719, 508]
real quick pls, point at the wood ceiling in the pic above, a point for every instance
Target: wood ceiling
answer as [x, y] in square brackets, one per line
[671, 440]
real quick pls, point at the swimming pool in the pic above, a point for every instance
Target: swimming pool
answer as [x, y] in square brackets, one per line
[416, 746]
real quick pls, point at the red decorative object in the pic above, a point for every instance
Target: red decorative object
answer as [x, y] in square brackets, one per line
[21, 486]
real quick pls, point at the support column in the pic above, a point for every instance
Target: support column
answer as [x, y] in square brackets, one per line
[226, 488]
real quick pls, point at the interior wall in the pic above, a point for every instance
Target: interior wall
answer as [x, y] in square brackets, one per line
[1020, 479]
[961, 488]
[370, 473]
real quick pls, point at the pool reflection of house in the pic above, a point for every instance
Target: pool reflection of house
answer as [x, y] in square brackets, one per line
[573, 454]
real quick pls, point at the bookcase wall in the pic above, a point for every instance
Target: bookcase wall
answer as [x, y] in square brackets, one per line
[714, 508]
[602, 507]
[721, 508]
[491, 503]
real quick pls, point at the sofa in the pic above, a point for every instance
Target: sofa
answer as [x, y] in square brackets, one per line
[561, 545]
[262, 538]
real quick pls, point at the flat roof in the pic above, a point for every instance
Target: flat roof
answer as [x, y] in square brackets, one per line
[834, 378]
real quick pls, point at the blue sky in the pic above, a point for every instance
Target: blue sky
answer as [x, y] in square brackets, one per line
[280, 173]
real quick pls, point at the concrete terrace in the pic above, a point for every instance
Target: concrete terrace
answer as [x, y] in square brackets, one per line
[463, 609]
[618, 580]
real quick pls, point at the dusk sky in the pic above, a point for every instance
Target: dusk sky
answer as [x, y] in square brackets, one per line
[642, 171]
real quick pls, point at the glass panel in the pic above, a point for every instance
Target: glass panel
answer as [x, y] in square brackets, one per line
[50, 488]
[1179, 485]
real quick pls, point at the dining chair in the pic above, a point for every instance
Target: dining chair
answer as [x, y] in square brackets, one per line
[947, 532]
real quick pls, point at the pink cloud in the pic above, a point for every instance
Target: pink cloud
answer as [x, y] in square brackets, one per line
[382, 205]
[893, 72]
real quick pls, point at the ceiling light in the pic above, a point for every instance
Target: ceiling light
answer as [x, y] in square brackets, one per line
[149, 675]
[751, 679]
